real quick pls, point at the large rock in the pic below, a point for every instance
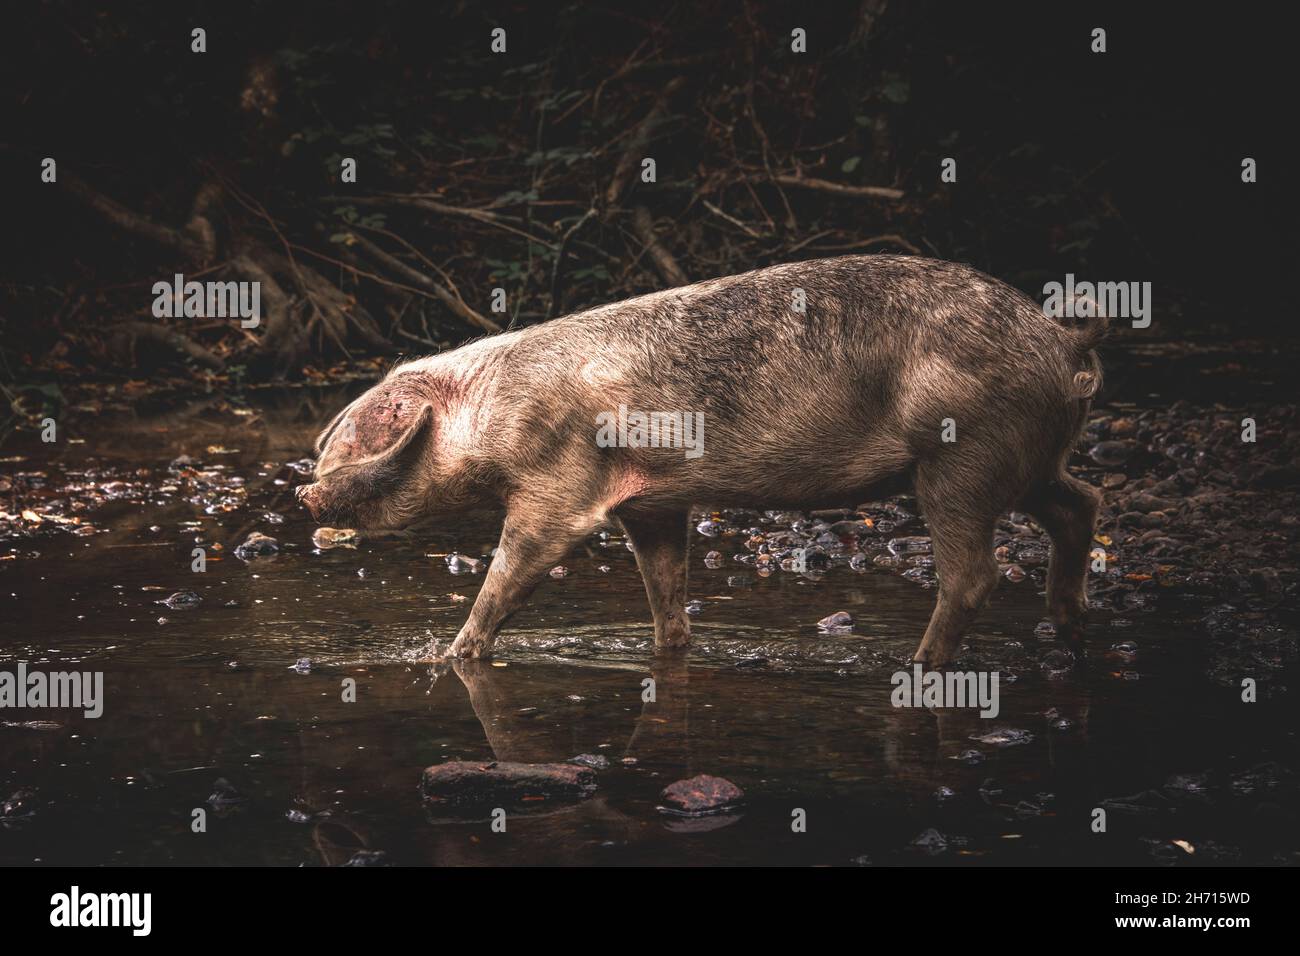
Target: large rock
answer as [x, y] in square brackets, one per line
[700, 795]
[470, 784]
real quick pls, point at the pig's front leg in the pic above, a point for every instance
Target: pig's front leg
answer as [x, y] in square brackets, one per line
[660, 543]
[533, 541]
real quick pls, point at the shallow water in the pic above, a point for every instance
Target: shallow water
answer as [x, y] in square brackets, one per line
[799, 719]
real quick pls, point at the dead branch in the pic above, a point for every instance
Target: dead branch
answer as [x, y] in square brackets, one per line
[663, 260]
[278, 333]
[486, 216]
[839, 189]
[329, 298]
[732, 219]
[625, 171]
[556, 267]
[199, 227]
[452, 302]
[171, 339]
[132, 222]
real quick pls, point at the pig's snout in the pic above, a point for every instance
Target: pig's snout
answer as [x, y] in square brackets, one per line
[309, 498]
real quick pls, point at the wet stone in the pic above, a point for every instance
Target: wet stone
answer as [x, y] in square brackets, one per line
[594, 761]
[837, 623]
[1110, 453]
[20, 805]
[326, 538]
[1188, 786]
[257, 545]
[921, 576]
[1056, 662]
[710, 528]
[904, 547]
[463, 564]
[225, 797]
[1004, 737]
[182, 601]
[701, 794]
[1125, 650]
[368, 858]
[461, 783]
[930, 842]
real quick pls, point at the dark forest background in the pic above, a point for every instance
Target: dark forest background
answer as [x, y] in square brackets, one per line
[520, 170]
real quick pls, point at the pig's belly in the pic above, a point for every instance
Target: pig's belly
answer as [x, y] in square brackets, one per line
[809, 472]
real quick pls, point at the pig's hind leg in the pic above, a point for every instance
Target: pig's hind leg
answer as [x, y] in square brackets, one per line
[1067, 508]
[660, 544]
[961, 509]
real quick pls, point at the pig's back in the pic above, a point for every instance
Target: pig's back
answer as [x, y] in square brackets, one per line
[886, 348]
[870, 318]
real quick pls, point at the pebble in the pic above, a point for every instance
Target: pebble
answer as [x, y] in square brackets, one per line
[182, 601]
[257, 545]
[326, 538]
[1007, 737]
[1110, 453]
[837, 623]
[458, 563]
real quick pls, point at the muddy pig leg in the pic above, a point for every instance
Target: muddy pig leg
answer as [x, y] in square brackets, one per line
[1067, 508]
[961, 516]
[533, 541]
[660, 543]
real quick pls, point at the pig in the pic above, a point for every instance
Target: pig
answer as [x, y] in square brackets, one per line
[813, 384]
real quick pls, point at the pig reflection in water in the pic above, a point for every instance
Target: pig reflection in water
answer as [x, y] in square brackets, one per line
[898, 371]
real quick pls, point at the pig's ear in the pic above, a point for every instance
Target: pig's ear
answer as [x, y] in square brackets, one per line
[395, 461]
[323, 438]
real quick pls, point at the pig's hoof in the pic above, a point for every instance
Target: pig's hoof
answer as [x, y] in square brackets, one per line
[470, 650]
[1071, 635]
